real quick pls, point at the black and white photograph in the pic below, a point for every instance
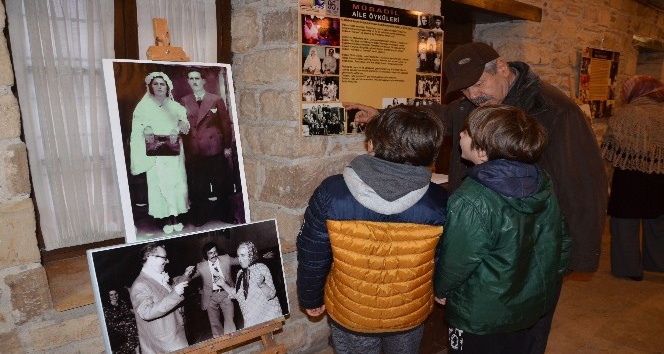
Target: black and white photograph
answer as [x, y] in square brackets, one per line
[322, 119]
[393, 101]
[353, 127]
[428, 86]
[320, 88]
[429, 51]
[177, 146]
[165, 294]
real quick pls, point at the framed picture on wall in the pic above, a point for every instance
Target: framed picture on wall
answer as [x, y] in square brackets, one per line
[177, 146]
[168, 293]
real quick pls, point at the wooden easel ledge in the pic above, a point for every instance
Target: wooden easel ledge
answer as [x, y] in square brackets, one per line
[264, 331]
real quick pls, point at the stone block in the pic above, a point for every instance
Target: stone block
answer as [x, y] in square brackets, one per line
[10, 343]
[288, 223]
[291, 186]
[280, 26]
[93, 345]
[251, 173]
[245, 30]
[6, 69]
[30, 296]
[18, 241]
[65, 332]
[269, 66]
[14, 167]
[10, 116]
[279, 105]
[283, 142]
[247, 106]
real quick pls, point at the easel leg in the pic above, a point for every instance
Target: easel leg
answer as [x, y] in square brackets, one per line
[271, 347]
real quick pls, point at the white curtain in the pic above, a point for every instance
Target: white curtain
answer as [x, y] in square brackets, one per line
[57, 47]
[192, 25]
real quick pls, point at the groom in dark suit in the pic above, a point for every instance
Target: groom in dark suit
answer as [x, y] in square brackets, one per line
[207, 148]
[214, 270]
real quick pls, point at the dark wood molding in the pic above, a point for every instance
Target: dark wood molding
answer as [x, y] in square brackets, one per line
[224, 53]
[489, 11]
[126, 30]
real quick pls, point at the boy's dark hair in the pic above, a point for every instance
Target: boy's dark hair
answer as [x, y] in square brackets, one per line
[505, 132]
[406, 134]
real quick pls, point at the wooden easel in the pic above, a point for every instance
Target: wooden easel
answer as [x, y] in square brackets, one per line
[265, 331]
[163, 51]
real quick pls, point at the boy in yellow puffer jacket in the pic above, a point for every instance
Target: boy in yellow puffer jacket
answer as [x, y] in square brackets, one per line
[366, 246]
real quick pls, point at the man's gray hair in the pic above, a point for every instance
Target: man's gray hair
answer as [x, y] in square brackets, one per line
[491, 67]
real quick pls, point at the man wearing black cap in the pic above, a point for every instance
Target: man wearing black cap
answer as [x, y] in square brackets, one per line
[572, 157]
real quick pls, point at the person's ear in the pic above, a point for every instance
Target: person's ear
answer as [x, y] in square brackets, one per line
[502, 67]
[370, 147]
[482, 155]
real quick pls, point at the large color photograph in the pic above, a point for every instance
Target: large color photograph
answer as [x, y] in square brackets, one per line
[166, 294]
[177, 147]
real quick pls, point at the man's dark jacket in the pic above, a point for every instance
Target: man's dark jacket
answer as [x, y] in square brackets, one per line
[572, 159]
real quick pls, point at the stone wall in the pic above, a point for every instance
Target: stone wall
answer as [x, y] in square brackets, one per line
[282, 169]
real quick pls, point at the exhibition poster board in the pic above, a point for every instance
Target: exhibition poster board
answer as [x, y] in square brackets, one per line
[370, 54]
[597, 80]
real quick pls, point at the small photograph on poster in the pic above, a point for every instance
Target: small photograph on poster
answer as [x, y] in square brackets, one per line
[424, 21]
[437, 23]
[322, 119]
[429, 51]
[351, 126]
[320, 88]
[427, 85]
[331, 61]
[165, 294]
[177, 146]
[320, 30]
[393, 101]
[318, 60]
[421, 101]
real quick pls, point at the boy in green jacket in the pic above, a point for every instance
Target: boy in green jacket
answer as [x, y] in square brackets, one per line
[505, 246]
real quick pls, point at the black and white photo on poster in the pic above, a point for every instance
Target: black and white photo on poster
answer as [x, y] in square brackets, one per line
[428, 86]
[172, 292]
[320, 88]
[323, 119]
[177, 146]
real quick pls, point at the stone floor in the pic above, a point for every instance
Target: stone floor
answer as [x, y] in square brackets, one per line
[598, 313]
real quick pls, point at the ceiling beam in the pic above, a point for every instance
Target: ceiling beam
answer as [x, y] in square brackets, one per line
[488, 11]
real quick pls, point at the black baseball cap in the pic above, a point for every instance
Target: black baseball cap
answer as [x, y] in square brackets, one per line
[465, 65]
